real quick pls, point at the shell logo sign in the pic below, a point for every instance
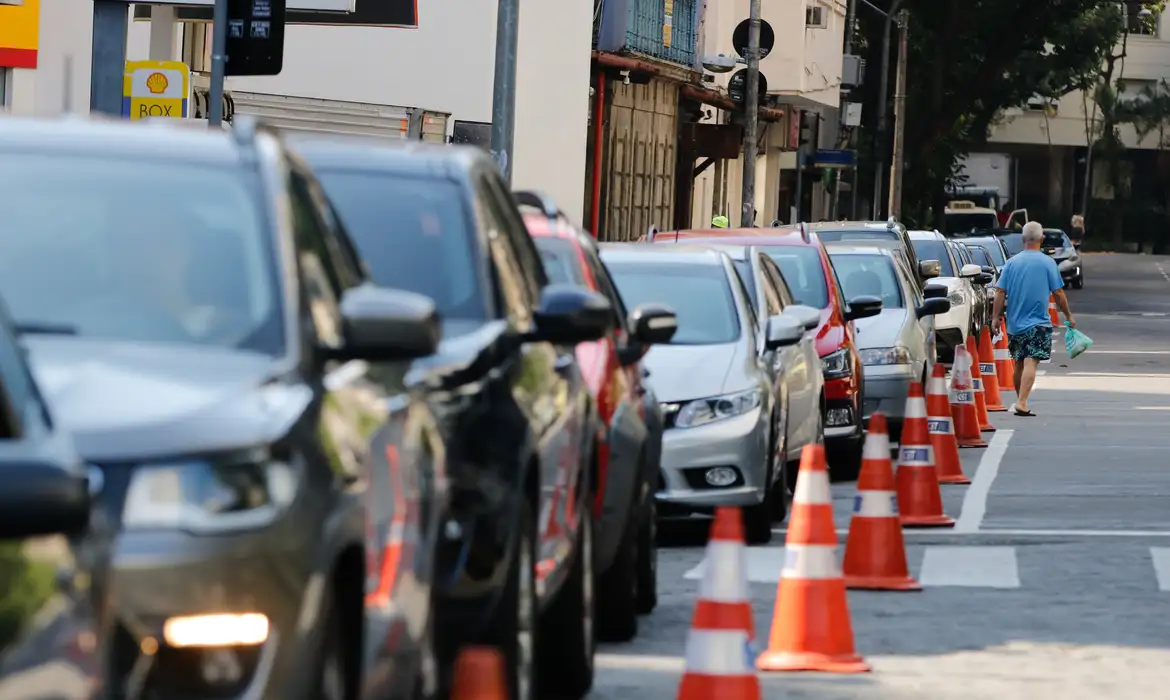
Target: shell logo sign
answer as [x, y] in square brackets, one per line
[19, 32]
[155, 89]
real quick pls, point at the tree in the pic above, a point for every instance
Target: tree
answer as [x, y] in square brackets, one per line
[972, 59]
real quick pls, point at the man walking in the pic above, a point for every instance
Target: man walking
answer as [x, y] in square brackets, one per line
[1025, 284]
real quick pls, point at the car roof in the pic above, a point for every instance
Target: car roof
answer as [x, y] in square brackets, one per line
[792, 238]
[385, 155]
[883, 243]
[852, 225]
[734, 251]
[539, 226]
[926, 236]
[648, 252]
[853, 249]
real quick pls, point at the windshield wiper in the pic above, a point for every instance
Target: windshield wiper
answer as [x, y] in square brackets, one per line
[35, 328]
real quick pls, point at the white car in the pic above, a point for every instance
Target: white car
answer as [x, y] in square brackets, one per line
[951, 328]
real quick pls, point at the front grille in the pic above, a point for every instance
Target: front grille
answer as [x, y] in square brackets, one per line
[178, 674]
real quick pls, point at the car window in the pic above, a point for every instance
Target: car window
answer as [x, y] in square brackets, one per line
[700, 295]
[804, 273]
[869, 275]
[933, 249]
[960, 223]
[513, 294]
[753, 317]
[143, 251]
[773, 272]
[562, 264]
[320, 283]
[414, 233]
[1053, 239]
[607, 287]
[980, 256]
[1014, 243]
[517, 232]
[991, 247]
[772, 301]
[744, 269]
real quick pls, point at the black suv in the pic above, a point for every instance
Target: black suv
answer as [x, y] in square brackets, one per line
[213, 346]
[520, 425]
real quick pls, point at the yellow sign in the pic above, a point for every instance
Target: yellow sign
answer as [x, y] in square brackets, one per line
[155, 89]
[19, 29]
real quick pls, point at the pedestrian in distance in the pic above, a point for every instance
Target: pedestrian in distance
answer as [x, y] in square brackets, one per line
[1076, 232]
[1026, 283]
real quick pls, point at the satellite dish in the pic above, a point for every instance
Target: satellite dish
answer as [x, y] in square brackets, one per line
[739, 38]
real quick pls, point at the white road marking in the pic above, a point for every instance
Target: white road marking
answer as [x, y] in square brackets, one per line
[1165, 275]
[975, 500]
[1161, 558]
[1010, 532]
[639, 662]
[1151, 408]
[972, 567]
[1095, 351]
[764, 565]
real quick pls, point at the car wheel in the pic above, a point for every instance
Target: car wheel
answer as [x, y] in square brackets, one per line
[331, 668]
[566, 667]
[647, 584]
[617, 590]
[514, 629]
[780, 488]
[757, 519]
[1079, 282]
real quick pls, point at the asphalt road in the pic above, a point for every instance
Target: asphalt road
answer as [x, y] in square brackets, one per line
[1056, 581]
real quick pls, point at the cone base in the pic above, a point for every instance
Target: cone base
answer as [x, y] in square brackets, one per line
[697, 686]
[785, 661]
[987, 428]
[997, 409]
[882, 583]
[956, 479]
[927, 521]
[972, 443]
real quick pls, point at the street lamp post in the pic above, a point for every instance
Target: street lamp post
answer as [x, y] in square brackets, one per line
[883, 91]
[751, 101]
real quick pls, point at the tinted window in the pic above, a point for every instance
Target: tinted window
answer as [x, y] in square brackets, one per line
[562, 264]
[138, 251]
[869, 275]
[1053, 239]
[413, 233]
[935, 250]
[803, 272]
[992, 247]
[744, 268]
[1014, 242]
[875, 234]
[699, 294]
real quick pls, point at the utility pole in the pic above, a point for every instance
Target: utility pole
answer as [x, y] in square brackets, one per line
[504, 91]
[899, 160]
[751, 106]
[850, 21]
[219, 29]
[883, 92]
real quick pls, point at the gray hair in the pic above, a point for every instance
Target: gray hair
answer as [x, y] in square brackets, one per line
[1033, 232]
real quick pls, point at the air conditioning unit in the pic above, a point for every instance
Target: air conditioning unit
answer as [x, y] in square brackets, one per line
[815, 17]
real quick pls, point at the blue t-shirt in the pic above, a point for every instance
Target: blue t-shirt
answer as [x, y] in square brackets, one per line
[1028, 279]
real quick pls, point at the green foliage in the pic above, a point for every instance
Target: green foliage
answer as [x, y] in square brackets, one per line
[25, 587]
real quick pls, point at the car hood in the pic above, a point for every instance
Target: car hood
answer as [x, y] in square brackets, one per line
[133, 401]
[952, 283]
[685, 372]
[881, 331]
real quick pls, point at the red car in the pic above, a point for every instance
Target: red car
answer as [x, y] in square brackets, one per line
[810, 276]
[630, 452]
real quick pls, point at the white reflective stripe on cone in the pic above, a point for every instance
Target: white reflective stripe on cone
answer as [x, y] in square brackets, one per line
[718, 653]
[812, 488]
[937, 425]
[725, 573]
[962, 396]
[936, 386]
[810, 561]
[915, 408]
[916, 456]
[875, 504]
[1003, 354]
[877, 446]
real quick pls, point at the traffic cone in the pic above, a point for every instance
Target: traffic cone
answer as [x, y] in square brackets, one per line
[811, 629]
[942, 430]
[875, 553]
[963, 402]
[479, 675]
[985, 425]
[718, 662]
[919, 496]
[987, 373]
[1005, 367]
[1052, 317]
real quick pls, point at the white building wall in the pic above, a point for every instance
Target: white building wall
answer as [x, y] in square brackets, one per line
[66, 31]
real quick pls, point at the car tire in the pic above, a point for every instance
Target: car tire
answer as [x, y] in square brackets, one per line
[566, 667]
[330, 674]
[757, 519]
[1079, 281]
[647, 584]
[780, 488]
[617, 590]
[516, 614]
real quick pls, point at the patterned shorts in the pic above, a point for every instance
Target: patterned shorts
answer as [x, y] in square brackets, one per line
[1036, 342]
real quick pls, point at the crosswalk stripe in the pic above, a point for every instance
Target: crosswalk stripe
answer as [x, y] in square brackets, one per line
[974, 567]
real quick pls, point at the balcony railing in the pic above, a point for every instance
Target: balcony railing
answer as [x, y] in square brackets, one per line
[663, 29]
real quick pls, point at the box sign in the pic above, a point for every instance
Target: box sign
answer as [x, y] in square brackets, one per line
[19, 33]
[155, 90]
[367, 13]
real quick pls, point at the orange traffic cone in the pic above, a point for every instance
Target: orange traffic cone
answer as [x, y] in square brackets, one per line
[1005, 367]
[479, 675]
[963, 402]
[811, 629]
[985, 425]
[875, 553]
[987, 373]
[718, 664]
[1052, 317]
[919, 496]
[942, 430]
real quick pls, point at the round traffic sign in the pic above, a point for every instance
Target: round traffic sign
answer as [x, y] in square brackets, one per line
[739, 38]
[737, 86]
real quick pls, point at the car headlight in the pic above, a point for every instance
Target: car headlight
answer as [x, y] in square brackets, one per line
[704, 411]
[836, 364]
[957, 298]
[208, 496]
[885, 356]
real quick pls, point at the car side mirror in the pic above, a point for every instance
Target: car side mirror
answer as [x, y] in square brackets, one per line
[568, 315]
[388, 324]
[968, 271]
[653, 324]
[42, 497]
[933, 307]
[806, 316]
[935, 291]
[983, 278]
[782, 332]
[929, 269]
[863, 307]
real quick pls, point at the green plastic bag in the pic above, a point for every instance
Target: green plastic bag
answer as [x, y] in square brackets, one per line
[1076, 342]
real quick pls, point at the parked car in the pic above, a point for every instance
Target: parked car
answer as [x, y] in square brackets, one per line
[799, 385]
[809, 275]
[54, 548]
[995, 247]
[199, 326]
[520, 426]
[724, 421]
[984, 296]
[1057, 246]
[896, 345]
[953, 327]
[1011, 238]
[629, 456]
[891, 230]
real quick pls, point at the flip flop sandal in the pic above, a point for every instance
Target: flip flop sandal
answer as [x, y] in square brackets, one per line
[1026, 414]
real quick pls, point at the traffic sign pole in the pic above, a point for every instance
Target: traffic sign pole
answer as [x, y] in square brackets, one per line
[751, 105]
[219, 28]
[504, 90]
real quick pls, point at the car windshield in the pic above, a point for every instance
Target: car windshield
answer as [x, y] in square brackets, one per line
[869, 275]
[991, 247]
[859, 234]
[699, 294]
[143, 251]
[1014, 242]
[414, 234]
[744, 268]
[562, 264]
[960, 223]
[803, 272]
[932, 249]
[1053, 239]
